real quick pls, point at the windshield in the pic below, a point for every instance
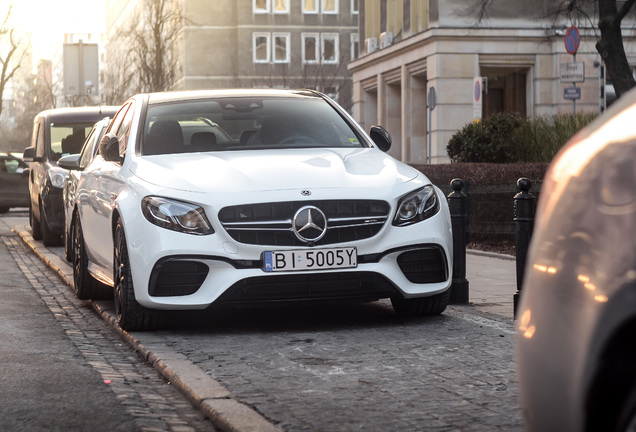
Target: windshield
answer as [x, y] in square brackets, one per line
[245, 123]
[68, 138]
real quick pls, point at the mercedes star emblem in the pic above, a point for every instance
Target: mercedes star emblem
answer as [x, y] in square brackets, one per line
[310, 224]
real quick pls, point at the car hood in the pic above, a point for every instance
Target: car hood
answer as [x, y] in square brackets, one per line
[271, 170]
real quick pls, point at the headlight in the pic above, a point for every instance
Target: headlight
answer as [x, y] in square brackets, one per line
[176, 215]
[57, 176]
[417, 206]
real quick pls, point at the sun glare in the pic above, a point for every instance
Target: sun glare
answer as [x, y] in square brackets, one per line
[47, 21]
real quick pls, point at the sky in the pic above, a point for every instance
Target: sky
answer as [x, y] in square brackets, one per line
[48, 20]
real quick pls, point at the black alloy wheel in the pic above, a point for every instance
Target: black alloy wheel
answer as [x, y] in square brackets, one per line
[131, 315]
[35, 225]
[49, 238]
[85, 286]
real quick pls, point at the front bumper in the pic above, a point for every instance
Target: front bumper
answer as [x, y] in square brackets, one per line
[179, 271]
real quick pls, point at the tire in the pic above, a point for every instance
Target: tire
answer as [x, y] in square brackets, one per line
[68, 242]
[49, 238]
[131, 315]
[36, 232]
[433, 305]
[85, 286]
[4, 210]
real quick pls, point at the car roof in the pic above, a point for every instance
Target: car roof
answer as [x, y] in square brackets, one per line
[228, 93]
[79, 113]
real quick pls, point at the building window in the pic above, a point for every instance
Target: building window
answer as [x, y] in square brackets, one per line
[331, 91]
[310, 6]
[281, 6]
[394, 16]
[261, 6]
[371, 19]
[329, 47]
[419, 15]
[260, 47]
[355, 45]
[354, 6]
[330, 6]
[310, 47]
[281, 48]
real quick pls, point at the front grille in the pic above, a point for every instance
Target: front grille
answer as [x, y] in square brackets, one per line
[424, 265]
[271, 223]
[177, 278]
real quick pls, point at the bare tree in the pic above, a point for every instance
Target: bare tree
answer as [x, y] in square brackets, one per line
[12, 58]
[147, 58]
[609, 44]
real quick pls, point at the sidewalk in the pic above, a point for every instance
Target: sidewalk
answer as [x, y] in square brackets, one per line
[492, 282]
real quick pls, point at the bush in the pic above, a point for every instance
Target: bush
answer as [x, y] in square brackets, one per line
[507, 138]
[488, 141]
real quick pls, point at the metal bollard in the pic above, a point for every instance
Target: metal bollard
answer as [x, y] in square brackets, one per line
[457, 207]
[524, 206]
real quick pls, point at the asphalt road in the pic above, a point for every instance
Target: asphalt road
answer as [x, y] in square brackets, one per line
[351, 367]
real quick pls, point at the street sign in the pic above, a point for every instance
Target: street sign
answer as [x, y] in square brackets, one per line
[572, 40]
[572, 72]
[432, 98]
[81, 69]
[477, 99]
[572, 93]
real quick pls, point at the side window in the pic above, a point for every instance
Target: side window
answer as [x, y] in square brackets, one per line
[117, 124]
[38, 138]
[88, 150]
[123, 132]
[119, 117]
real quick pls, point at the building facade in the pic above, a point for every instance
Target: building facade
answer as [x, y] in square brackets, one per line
[260, 43]
[412, 49]
[270, 43]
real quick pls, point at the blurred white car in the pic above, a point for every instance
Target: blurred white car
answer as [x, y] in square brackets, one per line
[576, 347]
[234, 197]
[79, 161]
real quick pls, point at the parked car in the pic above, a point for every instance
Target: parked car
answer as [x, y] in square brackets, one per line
[577, 315]
[14, 183]
[56, 132]
[249, 196]
[80, 161]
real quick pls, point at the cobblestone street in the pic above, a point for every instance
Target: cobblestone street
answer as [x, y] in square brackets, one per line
[358, 367]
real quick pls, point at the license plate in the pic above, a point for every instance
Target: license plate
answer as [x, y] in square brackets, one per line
[310, 259]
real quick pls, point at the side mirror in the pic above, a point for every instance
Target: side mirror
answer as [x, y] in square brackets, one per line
[109, 148]
[70, 162]
[29, 155]
[381, 138]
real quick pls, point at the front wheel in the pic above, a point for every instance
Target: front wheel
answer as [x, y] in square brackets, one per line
[433, 305]
[35, 225]
[85, 286]
[130, 314]
[49, 238]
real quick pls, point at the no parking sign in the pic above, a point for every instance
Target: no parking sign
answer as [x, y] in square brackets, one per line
[572, 40]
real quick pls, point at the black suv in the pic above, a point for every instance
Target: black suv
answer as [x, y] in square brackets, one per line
[56, 132]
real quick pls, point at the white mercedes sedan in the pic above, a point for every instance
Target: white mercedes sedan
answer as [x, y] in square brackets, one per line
[252, 196]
